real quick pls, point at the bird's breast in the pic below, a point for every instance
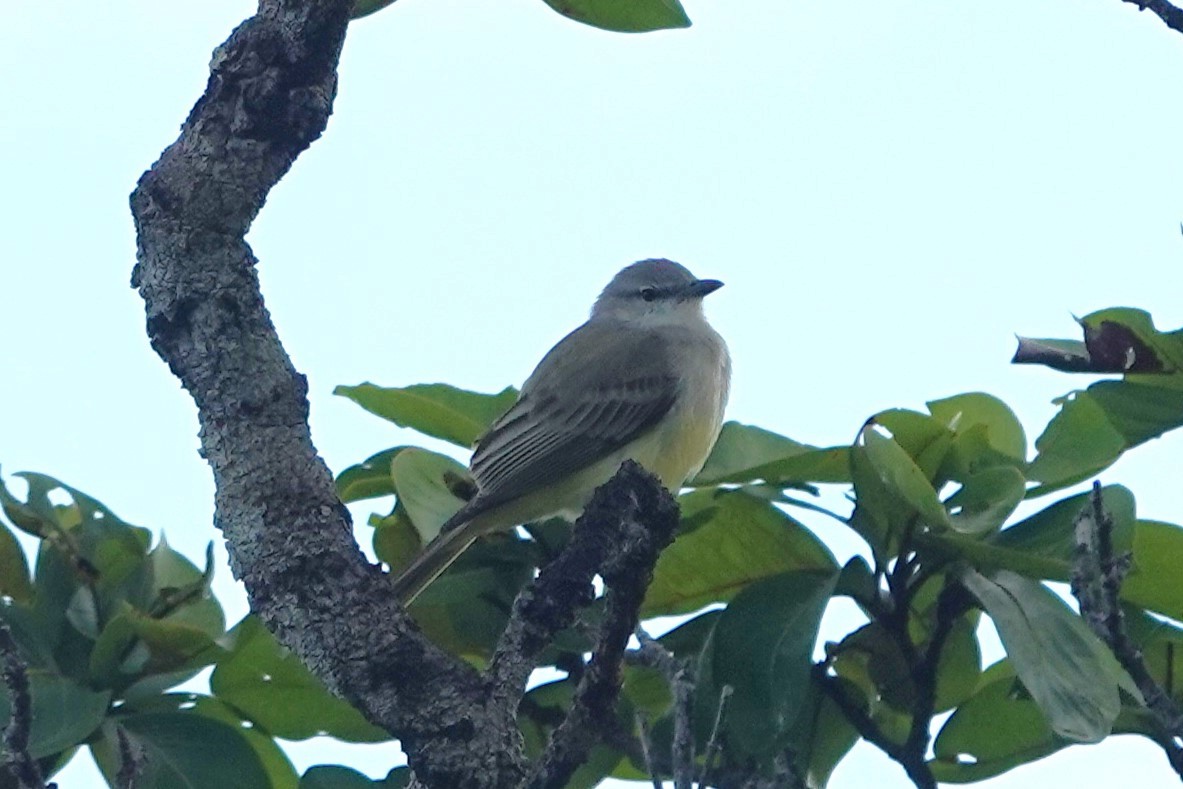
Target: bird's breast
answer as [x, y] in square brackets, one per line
[688, 434]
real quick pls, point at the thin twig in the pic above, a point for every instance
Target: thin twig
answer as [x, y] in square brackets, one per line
[1097, 575]
[16, 761]
[678, 674]
[714, 743]
[643, 727]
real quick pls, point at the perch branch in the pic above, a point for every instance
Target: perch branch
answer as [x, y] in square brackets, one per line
[629, 530]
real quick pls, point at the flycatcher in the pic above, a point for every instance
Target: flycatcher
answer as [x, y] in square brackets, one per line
[645, 378]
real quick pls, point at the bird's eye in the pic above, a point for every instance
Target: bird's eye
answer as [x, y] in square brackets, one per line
[648, 294]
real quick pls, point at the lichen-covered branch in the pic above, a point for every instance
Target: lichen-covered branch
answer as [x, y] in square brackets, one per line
[15, 763]
[1097, 575]
[269, 95]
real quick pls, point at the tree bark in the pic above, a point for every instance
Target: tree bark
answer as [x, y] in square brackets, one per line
[269, 96]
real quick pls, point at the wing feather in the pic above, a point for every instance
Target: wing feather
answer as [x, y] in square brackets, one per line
[599, 389]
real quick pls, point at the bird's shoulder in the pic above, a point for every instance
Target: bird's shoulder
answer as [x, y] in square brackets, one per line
[599, 356]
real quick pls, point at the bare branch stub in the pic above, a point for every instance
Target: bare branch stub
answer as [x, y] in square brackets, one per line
[269, 96]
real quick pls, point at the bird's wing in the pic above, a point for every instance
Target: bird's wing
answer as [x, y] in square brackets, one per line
[600, 388]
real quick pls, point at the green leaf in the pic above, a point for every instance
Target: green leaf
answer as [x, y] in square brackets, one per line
[170, 645]
[831, 464]
[763, 645]
[368, 479]
[870, 658]
[820, 737]
[858, 582]
[923, 438]
[183, 750]
[745, 453]
[994, 730]
[271, 687]
[739, 539]
[64, 712]
[960, 666]
[171, 587]
[57, 581]
[280, 771]
[901, 476]
[14, 568]
[1153, 582]
[1069, 673]
[741, 448]
[90, 538]
[624, 16]
[965, 414]
[396, 540]
[421, 484]
[986, 499]
[438, 410]
[1079, 442]
[647, 690]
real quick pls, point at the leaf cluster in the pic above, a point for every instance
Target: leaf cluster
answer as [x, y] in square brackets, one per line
[110, 624]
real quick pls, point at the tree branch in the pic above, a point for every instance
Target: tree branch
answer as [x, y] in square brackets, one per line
[17, 762]
[1171, 15]
[269, 95]
[1097, 575]
[868, 729]
[628, 528]
[952, 602]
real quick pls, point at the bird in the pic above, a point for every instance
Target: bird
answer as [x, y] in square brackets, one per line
[645, 378]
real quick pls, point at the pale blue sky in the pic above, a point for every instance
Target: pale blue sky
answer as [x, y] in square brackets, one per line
[890, 189]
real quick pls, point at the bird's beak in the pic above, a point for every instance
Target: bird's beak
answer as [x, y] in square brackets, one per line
[702, 287]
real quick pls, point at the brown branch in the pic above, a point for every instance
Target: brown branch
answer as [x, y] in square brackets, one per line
[1097, 575]
[952, 602]
[1170, 14]
[917, 769]
[16, 761]
[269, 95]
[629, 529]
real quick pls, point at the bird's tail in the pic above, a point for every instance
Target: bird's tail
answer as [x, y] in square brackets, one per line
[435, 558]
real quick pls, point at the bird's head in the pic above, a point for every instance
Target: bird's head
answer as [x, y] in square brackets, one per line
[654, 292]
